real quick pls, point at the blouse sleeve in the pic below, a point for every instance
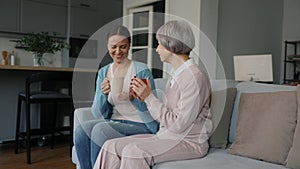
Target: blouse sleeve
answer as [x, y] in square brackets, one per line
[194, 95]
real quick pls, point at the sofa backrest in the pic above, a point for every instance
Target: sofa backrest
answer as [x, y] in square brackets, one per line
[252, 87]
[160, 84]
[223, 94]
[222, 99]
[221, 84]
[242, 87]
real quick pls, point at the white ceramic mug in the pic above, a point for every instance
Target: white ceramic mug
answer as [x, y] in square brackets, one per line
[116, 84]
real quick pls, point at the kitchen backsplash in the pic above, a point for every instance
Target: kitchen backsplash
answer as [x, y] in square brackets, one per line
[25, 58]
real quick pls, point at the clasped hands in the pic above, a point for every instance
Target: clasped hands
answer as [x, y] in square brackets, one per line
[139, 88]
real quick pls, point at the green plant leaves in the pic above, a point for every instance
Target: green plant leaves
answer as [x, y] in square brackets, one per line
[41, 43]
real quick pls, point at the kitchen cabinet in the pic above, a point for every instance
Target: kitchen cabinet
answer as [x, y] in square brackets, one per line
[40, 16]
[84, 22]
[53, 2]
[87, 4]
[9, 15]
[84, 18]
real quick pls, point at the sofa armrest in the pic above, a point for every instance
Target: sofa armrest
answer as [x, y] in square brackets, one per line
[81, 115]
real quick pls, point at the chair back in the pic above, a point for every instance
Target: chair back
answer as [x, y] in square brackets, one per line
[49, 78]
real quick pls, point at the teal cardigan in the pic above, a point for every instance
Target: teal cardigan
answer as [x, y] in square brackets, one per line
[101, 108]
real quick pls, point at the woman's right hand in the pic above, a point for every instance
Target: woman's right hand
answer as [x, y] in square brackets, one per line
[140, 88]
[105, 86]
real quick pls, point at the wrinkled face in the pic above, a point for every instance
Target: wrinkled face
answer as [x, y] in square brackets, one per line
[118, 47]
[163, 52]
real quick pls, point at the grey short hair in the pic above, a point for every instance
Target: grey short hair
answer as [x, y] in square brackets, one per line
[177, 37]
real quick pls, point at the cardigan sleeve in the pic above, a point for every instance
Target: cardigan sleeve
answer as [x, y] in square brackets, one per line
[101, 108]
[142, 71]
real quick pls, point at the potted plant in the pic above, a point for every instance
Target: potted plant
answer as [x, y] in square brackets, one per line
[41, 43]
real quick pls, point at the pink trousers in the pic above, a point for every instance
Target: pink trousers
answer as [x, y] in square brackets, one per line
[143, 151]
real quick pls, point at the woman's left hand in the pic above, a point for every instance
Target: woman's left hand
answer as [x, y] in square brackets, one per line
[140, 89]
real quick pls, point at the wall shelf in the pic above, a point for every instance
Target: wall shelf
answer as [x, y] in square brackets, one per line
[291, 61]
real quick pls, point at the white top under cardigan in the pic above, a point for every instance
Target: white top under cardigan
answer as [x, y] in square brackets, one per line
[123, 109]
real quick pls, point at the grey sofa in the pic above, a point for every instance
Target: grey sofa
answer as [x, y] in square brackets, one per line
[217, 158]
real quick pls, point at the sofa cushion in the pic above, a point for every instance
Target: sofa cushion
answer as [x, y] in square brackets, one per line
[293, 157]
[252, 87]
[221, 108]
[266, 123]
[218, 159]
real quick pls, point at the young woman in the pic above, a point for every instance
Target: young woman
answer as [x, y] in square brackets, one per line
[184, 115]
[119, 114]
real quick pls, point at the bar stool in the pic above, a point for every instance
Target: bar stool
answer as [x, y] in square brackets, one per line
[40, 96]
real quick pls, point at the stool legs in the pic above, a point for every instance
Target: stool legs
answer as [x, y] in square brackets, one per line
[28, 146]
[18, 124]
[28, 132]
[53, 128]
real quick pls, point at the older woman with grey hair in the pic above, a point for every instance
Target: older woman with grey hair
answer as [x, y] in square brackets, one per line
[184, 114]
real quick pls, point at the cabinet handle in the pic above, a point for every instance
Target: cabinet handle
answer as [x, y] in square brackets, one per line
[85, 5]
[83, 35]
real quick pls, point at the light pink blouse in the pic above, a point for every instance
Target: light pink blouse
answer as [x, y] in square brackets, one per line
[185, 111]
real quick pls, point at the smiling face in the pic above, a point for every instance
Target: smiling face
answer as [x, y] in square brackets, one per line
[163, 52]
[118, 47]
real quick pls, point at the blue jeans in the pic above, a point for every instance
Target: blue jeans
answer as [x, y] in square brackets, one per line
[91, 135]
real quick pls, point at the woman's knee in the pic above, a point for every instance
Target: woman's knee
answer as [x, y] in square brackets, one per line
[79, 134]
[83, 131]
[102, 132]
[109, 146]
[132, 150]
[98, 134]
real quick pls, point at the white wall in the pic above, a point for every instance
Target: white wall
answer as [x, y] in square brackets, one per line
[189, 10]
[179, 8]
[205, 35]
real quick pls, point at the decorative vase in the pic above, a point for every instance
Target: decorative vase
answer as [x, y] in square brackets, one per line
[38, 59]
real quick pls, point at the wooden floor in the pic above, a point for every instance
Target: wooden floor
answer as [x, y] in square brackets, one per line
[42, 157]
